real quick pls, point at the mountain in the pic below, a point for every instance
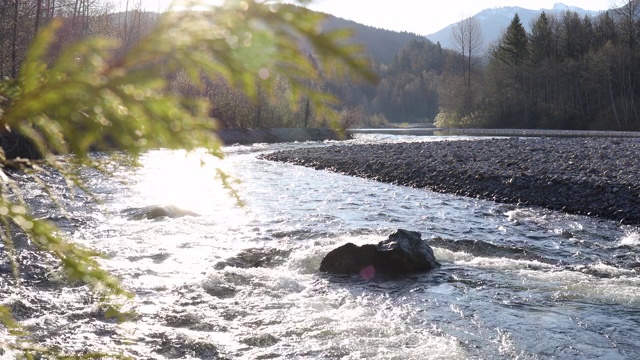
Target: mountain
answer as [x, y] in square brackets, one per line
[382, 45]
[494, 21]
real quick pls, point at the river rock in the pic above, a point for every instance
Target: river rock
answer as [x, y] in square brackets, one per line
[16, 146]
[156, 212]
[404, 252]
[256, 257]
[349, 259]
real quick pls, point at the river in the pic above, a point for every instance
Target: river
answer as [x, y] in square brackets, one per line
[515, 282]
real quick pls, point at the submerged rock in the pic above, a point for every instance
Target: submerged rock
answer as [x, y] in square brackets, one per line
[404, 252]
[485, 249]
[254, 258]
[179, 346]
[157, 211]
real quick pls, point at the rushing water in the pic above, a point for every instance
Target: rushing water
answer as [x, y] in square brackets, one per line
[516, 282]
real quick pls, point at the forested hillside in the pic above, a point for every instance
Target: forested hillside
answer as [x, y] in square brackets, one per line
[382, 45]
[410, 69]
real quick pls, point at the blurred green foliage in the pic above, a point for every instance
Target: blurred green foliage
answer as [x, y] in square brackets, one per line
[91, 97]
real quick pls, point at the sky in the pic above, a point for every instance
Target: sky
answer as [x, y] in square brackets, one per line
[426, 17]
[418, 16]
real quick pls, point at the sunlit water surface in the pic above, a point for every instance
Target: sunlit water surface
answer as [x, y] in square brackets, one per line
[553, 286]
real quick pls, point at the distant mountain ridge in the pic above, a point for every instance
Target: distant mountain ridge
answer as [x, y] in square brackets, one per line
[382, 45]
[494, 21]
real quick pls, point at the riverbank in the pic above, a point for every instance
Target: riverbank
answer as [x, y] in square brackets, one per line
[597, 176]
[278, 135]
[16, 145]
[426, 130]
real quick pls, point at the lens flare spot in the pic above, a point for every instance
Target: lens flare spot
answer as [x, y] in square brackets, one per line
[264, 73]
[368, 272]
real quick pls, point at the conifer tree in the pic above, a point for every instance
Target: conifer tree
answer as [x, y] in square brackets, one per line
[514, 45]
[541, 40]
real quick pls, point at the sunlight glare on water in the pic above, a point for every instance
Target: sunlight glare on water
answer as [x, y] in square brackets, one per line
[187, 180]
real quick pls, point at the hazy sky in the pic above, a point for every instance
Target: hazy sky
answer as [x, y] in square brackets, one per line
[418, 16]
[426, 17]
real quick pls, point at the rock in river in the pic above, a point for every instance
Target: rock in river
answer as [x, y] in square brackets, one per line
[256, 257]
[156, 211]
[404, 252]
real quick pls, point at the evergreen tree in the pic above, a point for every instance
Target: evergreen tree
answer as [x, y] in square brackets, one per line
[541, 40]
[587, 36]
[514, 44]
[507, 78]
[574, 36]
[605, 30]
[407, 92]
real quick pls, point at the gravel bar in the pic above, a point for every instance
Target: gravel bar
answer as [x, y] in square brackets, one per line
[588, 175]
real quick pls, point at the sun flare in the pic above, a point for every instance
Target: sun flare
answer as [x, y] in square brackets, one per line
[186, 180]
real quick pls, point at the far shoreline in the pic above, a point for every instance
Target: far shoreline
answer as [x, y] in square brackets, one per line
[415, 130]
[279, 135]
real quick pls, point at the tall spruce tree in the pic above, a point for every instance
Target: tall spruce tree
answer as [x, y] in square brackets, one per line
[514, 45]
[541, 40]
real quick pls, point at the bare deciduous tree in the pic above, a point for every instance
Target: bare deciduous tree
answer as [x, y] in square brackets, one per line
[467, 36]
[626, 14]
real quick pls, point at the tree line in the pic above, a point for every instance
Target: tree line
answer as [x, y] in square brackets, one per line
[20, 20]
[568, 72]
[408, 87]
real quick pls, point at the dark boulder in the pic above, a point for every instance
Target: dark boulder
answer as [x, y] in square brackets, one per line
[16, 146]
[404, 252]
[349, 259]
[156, 212]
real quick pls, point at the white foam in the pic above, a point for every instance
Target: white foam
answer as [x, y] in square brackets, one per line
[521, 214]
[630, 239]
[317, 317]
[451, 256]
[576, 285]
[306, 260]
[605, 269]
[505, 264]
